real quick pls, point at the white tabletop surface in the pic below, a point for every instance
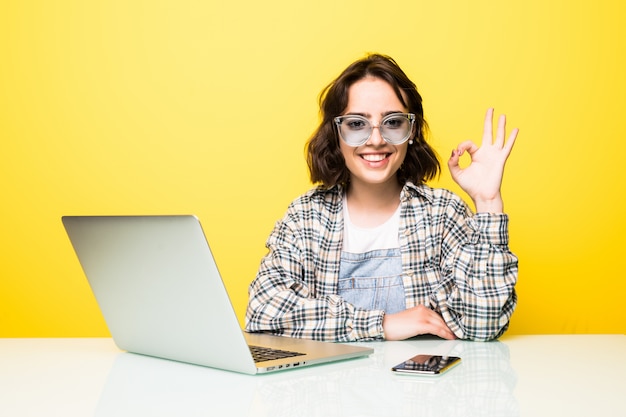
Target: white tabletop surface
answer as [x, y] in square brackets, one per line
[565, 375]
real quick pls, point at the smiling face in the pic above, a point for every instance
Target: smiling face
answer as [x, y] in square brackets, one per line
[375, 162]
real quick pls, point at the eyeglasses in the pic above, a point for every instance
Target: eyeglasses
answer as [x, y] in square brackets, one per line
[395, 128]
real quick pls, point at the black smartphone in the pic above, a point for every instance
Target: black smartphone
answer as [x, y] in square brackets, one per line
[427, 364]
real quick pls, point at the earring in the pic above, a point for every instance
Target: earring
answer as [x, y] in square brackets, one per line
[411, 142]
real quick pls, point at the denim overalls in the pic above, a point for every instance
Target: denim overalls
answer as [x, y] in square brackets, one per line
[370, 274]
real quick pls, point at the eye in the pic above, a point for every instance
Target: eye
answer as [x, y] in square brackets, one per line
[395, 122]
[355, 124]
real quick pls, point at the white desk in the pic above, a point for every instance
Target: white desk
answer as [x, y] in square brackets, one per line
[578, 375]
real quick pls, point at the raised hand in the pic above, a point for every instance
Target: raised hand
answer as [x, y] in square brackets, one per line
[482, 178]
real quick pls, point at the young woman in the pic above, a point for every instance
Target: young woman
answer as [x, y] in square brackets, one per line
[372, 252]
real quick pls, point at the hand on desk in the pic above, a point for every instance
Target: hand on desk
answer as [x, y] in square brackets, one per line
[413, 322]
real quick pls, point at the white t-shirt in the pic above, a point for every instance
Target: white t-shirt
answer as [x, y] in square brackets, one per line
[361, 240]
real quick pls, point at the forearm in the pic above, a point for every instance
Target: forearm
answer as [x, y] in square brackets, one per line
[476, 315]
[327, 318]
[477, 296]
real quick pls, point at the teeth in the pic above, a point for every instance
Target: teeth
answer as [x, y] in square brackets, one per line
[374, 157]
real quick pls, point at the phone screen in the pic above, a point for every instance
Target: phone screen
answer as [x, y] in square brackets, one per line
[427, 364]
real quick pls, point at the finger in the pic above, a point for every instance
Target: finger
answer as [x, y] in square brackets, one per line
[508, 146]
[488, 127]
[501, 133]
[453, 162]
[432, 322]
[447, 334]
[467, 146]
[441, 329]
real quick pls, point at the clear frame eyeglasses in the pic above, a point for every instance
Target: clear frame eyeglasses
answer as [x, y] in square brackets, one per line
[356, 130]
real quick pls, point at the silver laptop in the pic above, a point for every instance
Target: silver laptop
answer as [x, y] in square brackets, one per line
[161, 294]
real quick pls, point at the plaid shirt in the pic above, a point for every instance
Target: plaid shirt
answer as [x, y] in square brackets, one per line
[456, 262]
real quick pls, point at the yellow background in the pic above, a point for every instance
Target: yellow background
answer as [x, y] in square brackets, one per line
[169, 107]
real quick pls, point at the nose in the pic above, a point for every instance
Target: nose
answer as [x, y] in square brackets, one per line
[375, 138]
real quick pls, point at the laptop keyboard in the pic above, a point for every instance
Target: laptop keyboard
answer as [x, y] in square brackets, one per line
[260, 353]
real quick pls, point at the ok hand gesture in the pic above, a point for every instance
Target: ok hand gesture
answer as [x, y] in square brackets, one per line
[482, 179]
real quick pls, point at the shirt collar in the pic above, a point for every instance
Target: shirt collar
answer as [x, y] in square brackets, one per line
[411, 190]
[408, 192]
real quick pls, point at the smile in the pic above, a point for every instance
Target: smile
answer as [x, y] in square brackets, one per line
[375, 157]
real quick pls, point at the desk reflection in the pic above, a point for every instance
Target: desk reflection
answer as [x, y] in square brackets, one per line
[482, 385]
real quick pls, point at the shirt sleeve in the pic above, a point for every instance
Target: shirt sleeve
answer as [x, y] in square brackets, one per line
[476, 295]
[294, 293]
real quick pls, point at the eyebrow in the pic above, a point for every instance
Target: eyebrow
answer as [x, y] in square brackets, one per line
[367, 115]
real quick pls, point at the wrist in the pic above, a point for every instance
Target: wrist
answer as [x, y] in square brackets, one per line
[490, 205]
